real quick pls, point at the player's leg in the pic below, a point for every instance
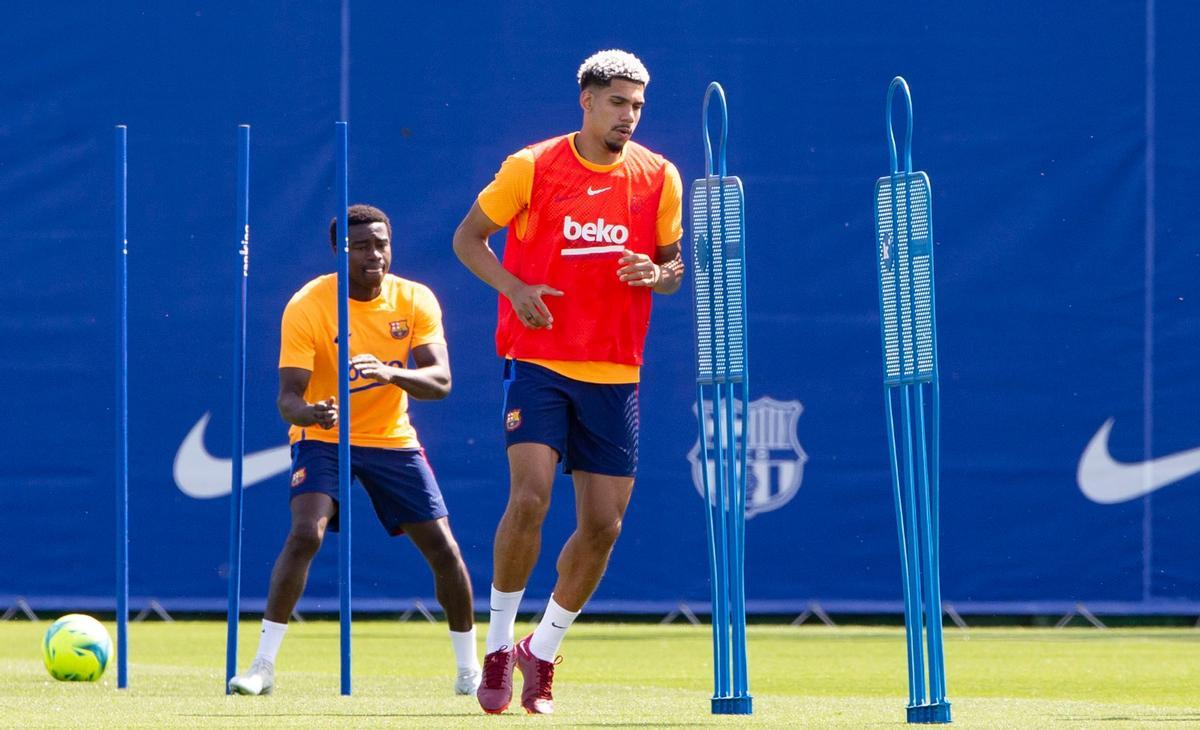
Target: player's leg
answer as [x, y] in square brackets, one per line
[452, 582]
[515, 551]
[536, 411]
[452, 585]
[602, 457]
[519, 535]
[311, 513]
[314, 479]
[408, 500]
[600, 503]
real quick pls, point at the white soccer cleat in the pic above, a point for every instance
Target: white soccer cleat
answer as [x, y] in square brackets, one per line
[259, 680]
[467, 681]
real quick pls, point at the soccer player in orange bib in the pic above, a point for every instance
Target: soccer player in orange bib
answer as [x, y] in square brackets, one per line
[391, 320]
[594, 225]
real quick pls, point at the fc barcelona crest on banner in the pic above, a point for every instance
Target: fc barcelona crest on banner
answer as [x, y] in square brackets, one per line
[400, 329]
[774, 458]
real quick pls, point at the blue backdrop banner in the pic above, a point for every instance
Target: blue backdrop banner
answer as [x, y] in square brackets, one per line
[1062, 151]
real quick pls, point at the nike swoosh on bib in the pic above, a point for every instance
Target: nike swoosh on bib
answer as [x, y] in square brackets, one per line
[590, 191]
[1105, 480]
[201, 475]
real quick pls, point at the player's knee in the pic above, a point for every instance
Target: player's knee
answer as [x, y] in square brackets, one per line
[444, 557]
[528, 508]
[305, 539]
[602, 533]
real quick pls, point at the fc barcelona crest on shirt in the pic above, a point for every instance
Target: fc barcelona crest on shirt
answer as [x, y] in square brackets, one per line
[774, 457]
[399, 329]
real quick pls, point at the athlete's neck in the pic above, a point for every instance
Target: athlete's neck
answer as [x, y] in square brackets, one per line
[361, 293]
[594, 150]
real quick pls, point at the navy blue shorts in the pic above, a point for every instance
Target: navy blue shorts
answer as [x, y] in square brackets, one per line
[592, 426]
[399, 481]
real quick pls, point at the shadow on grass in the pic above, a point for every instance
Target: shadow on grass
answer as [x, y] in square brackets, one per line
[333, 714]
[1136, 718]
[412, 715]
[634, 724]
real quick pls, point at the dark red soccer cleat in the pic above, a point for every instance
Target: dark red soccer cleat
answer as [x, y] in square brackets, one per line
[496, 689]
[538, 674]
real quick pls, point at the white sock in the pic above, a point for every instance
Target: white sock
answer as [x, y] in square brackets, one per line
[269, 640]
[464, 649]
[548, 635]
[504, 616]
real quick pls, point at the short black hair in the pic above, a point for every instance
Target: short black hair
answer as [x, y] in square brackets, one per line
[360, 213]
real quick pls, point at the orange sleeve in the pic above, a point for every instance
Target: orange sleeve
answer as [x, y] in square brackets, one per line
[505, 200]
[670, 208]
[427, 330]
[297, 344]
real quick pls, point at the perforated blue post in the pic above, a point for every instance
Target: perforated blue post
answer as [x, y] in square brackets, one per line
[904, 264]
[722, 398]
[239, 403]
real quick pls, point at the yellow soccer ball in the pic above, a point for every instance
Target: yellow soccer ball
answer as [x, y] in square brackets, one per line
[76, 648]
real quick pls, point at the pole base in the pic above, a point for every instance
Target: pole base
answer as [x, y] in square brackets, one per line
[733, 705]
[931, 714]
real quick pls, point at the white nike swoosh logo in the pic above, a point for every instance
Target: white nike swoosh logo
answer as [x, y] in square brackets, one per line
[1105, 480]
[201, 475]
[597, 192]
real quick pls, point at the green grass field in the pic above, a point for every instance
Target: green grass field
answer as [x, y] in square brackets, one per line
[621, 675]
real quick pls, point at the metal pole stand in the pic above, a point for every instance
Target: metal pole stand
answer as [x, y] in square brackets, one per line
[722, 399]
[904, 263]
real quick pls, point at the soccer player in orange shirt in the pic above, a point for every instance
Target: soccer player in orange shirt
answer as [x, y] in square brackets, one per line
[391, 320]
[594, 225]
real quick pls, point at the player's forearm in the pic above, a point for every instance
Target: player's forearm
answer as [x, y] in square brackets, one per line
[428, 383]
[478, 257]
[295, 410]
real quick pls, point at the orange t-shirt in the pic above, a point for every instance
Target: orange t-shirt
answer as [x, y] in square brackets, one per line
[506, 202]
[404, 315]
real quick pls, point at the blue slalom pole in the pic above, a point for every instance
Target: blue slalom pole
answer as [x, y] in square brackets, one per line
[122, 408]
[912, 641]
[343, 406]
[720, 612]
[239, 405]
[933, 614]
[911, 541]
[710, 531]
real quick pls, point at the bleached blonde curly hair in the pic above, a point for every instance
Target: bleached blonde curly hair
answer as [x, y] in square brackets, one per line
[602, 67]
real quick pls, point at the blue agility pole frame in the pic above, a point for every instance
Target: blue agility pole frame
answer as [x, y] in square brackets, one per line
[722, 396]
[908, 328]
[121, 409]
[239, 405]
[343, 405]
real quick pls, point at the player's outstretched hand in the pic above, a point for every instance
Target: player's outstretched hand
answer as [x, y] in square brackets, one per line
[325, 413]
[638, 269]
[529, 307]
[370, 366]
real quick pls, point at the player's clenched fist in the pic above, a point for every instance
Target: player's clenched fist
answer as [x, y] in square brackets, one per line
[324, 413]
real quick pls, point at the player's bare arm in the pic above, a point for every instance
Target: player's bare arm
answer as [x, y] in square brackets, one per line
[429, 380]
[663, 273]
[297, 411]
[471, 247]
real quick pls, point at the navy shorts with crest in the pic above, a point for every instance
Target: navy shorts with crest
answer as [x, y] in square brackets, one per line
[592, 426]
[400, 483]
